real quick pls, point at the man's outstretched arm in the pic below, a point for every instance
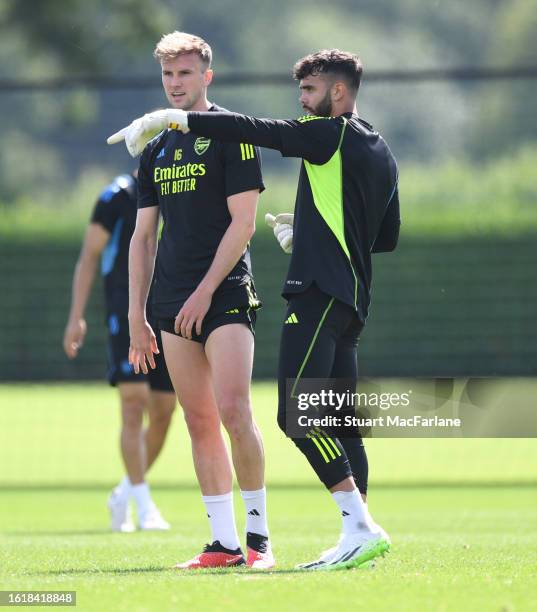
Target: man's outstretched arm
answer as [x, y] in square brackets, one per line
[312, 138]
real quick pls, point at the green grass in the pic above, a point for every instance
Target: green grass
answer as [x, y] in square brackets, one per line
[453, 549]
[468, 542]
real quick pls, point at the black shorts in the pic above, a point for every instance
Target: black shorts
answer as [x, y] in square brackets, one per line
[234, 306]
[119, 368]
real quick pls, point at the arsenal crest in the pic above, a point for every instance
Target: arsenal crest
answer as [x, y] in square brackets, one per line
[201, 145]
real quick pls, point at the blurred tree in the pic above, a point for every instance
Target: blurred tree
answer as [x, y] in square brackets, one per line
[99, 37]
[86, 37]
[51, 38]
[507, 112]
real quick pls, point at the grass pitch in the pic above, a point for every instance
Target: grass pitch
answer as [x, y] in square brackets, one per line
[462, 515]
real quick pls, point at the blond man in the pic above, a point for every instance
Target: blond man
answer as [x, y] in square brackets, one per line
[204, 299]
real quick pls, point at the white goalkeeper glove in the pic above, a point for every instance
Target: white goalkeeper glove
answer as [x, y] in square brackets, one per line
[282, 225]
[143, 129]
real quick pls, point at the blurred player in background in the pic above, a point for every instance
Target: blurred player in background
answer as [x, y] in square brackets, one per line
[204, 299]
[347, 207]
[108, 237]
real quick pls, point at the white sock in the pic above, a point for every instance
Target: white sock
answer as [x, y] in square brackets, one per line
[256, 511]
[124, 488]
[142, 497]
[222, 519]
[354, 514]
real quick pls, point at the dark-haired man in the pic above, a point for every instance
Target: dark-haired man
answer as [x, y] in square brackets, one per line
[347, 207]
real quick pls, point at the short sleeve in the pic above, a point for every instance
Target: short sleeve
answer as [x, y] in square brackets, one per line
[147, 194]
[242, 168]
[315, 139]
[108, 208]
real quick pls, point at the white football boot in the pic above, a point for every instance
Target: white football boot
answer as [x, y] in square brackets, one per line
[352, 550]
[152, 520]
[120, 513]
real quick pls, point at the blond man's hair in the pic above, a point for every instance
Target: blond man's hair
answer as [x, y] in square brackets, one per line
[172, 45]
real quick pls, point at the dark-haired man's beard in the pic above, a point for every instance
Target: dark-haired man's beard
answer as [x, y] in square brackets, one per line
[324, 108]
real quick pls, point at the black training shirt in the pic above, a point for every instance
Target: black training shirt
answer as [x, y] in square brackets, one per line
[190, 178]
[115, 211]
[347, 203]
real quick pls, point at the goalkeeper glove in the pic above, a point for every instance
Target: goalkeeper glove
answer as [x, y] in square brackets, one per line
[282, 225]
[143, 129]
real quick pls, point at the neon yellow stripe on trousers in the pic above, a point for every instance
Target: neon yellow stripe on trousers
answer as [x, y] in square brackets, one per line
[338, 453]
[320, 448]
[330, 451]
[310, 348]
[320, 434]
